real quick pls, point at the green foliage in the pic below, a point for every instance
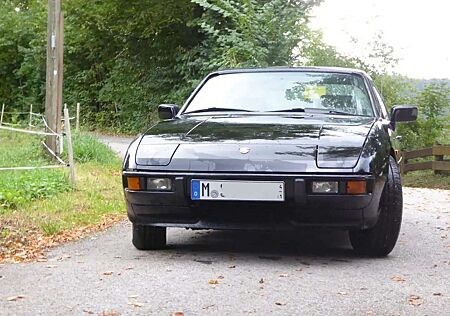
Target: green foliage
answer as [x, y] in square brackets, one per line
[252, 33]
[87, 148]
[22, 53]
[123, 58]
[20, 187]
[432, 125]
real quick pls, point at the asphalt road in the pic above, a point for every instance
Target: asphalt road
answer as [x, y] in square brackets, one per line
[305, 273]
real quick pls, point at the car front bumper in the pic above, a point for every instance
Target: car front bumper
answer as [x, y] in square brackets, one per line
[300, 208]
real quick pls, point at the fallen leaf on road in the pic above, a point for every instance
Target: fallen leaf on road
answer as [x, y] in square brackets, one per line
[178, 314]
[415, 300]
[280, 303]
[213, 282]
[135, 304]
[108, 273]
[221, 277]
[397, 278]
[129, 268]
[15, 298]
[109, 313]
[284, 275]
[87, 311]
[232, 267]
[437, 294]
[261, 281]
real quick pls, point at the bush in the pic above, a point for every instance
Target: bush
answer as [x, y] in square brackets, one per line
[432, 124]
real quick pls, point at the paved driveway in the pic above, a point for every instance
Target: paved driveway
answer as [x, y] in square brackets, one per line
[239, 273]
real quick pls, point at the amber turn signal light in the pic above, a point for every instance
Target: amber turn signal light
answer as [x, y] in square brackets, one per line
[356, 187]
[134, 183]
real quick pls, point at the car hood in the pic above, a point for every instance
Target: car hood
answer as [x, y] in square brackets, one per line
[255, 143]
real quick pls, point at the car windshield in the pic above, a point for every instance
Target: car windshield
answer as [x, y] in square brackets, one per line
[333, 93]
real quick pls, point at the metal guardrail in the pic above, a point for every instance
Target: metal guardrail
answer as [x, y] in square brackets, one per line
[439, 164]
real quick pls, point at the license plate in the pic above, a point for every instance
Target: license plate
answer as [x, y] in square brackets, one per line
[235, 190]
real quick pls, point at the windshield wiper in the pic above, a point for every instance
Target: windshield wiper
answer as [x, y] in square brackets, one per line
[289, 110]
[214, 109]
[332, 111]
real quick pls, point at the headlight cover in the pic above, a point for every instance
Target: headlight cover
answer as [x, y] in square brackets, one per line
[159, 184]
[326, 187]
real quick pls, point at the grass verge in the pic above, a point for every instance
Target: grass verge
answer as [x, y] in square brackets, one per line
[31, 224]
[426, 179]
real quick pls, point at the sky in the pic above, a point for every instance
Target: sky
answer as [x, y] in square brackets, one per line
[418, 30]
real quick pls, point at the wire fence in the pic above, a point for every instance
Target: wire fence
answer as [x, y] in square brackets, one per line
[37, 125]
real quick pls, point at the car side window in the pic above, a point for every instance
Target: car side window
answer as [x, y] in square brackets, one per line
[384, 112]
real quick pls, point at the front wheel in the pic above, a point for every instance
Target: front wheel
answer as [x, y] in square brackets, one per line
[149, 237]
[381, 239]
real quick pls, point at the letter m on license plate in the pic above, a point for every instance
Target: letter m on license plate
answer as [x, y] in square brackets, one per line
[237, 190]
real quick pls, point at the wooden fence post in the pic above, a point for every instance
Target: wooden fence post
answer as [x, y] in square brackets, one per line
[30, 124]
[69, 145]
[1, 117]
[77, 125]
[438, 158]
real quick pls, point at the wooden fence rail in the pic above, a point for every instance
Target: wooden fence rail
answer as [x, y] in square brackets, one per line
[439, 164]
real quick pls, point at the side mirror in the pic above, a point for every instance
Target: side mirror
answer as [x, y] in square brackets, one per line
[167, 111]
[403, 113]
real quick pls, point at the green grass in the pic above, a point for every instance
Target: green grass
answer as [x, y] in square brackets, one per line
[44, 201]
[19, 186]
[86, 148]
[426, 179]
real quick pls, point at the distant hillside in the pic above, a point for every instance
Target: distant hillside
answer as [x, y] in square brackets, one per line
[421, 83]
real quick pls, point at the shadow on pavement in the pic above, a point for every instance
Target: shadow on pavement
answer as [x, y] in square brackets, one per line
[321, 243]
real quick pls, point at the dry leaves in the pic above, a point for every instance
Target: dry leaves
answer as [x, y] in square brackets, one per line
[178, 314]
[108, 273]
[15, 298]
[135, 304]
[27, 245]
[213, 282]
[280, 303]
[397, 278]
[284, 275]
[109, 313]
[415, 300]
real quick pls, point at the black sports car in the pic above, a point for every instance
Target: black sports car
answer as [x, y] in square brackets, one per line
[271, 149]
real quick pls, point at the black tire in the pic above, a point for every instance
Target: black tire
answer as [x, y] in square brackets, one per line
[379, 240]
[149, 237]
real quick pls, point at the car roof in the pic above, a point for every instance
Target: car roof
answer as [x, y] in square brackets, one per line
[293, 69]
